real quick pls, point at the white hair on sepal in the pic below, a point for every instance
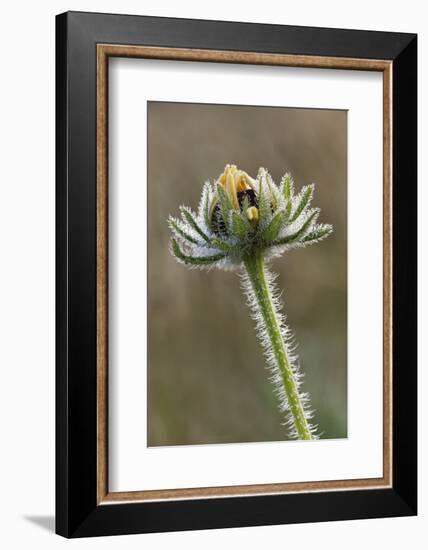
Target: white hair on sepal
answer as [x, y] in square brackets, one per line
[180, 228]
[229, 265]
[262, 179]
[286, 185]
[276, 376]
[204, 252]
[264, 200]
[277, 197]
[301, 227]
[205, 202]
[219, 264]
[281, 201]
[318, 233]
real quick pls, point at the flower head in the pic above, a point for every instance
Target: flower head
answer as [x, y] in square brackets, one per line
[239, 215]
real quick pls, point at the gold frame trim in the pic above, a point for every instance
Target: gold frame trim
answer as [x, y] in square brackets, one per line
[104, 51]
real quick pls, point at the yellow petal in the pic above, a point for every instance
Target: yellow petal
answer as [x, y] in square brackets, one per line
[229, 168]
[240, 181]
[231, 188]
[250, 182]
[253, 214]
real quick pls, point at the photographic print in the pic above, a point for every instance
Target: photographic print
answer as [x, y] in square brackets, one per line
[234, 313]
[252, 342]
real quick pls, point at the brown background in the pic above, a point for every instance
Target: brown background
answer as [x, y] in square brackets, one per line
[207, 381]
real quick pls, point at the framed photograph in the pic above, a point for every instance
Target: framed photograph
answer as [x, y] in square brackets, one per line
[236, 274]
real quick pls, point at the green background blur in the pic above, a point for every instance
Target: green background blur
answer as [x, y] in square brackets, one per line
[207, 380]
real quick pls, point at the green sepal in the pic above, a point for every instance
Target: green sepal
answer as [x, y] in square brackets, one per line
[206, 204]
[305, 198]
[287, 186]
[300, 232]
[223, 246]
[264, 207]
[194, 260]
[177, 229]
[240, 225]
[270, 233]
[188, 217]
[320, 232]
[225, 205]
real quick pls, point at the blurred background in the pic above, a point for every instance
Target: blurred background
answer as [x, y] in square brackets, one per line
[207, 380]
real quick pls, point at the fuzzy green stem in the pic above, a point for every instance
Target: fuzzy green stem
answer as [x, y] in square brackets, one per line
[255, 267]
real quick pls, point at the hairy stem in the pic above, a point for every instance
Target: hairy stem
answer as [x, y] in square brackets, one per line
[255, 268]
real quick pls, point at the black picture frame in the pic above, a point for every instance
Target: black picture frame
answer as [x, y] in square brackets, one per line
[77, 512]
